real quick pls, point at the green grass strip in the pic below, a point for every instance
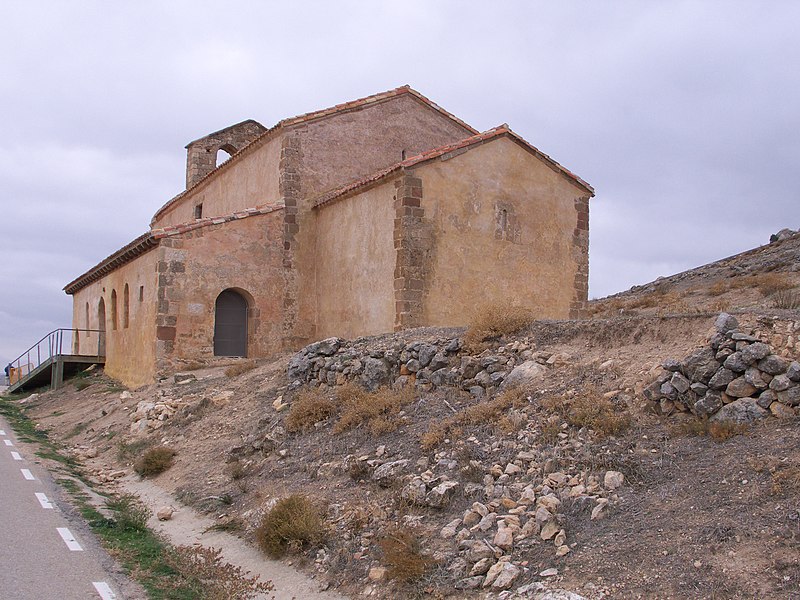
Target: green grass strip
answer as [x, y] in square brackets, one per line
[126, 537]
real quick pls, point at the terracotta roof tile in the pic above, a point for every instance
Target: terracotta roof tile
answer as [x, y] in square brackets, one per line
[305, 118]
[443, 152]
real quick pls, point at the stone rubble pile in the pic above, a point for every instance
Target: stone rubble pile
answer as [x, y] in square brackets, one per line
[426, 365]
[152, 414]
[737, 379]
[511, 507]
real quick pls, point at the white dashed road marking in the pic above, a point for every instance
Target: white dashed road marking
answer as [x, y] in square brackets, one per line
[27, 474]
[43, 500]
[2, 431]
[8, 442]
[69, 539]
[16, 456]
[104, 590]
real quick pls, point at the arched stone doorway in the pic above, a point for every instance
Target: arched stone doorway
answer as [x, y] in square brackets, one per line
[101, 325]
[230, 324]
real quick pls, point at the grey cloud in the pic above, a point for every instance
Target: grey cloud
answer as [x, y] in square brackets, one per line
[682, 115]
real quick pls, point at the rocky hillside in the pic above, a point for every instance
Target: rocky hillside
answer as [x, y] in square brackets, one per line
[764, 278]
[651, 451]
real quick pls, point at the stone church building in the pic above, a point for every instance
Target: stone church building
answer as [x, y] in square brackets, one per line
[371, 216]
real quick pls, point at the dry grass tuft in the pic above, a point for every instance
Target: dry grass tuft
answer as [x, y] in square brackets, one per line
[716, 430]
[786, 479]
[82, 384]
[598, 414]
[240, 368]
[294, 523]
[493, 321]
[767, 283]
[154, 461]
[403, 557]
[772, 283]
[193, 365]
[377, 410]
[550, 431]
[482, 413]
[589, 409]
[719, 288]
[309, 407]
[721, 431]
[787, 299]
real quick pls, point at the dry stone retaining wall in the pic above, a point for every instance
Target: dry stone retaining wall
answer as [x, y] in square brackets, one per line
[426, 365]
[736, 378]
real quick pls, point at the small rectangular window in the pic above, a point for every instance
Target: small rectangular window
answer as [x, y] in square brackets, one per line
[141, 293]
[198, 211]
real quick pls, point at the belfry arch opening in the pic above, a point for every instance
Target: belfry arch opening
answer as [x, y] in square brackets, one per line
[230, 323]
[223, 154]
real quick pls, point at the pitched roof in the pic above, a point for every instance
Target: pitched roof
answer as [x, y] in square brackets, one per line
[449, 151]
[306, 118]
[152, 238]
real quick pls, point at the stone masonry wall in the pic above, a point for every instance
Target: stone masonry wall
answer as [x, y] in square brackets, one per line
[324, 154]
[201, 155]
[196, 266]
[580, 252]
[413, 238]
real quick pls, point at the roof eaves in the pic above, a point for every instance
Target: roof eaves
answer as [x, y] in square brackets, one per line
[357, 185]
[256, 143]
[172, 230]
[137, 247]
[153, 238]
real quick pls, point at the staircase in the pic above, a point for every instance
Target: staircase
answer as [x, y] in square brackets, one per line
[46, 362]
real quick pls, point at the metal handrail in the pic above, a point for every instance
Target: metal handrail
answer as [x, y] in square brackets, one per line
[53, 345]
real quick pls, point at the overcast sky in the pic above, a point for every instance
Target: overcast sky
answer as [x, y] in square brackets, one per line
[682, 115]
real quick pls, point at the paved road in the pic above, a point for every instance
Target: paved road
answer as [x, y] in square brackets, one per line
[45, 553]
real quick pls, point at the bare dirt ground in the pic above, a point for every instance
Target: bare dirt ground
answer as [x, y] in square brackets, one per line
[695, 518]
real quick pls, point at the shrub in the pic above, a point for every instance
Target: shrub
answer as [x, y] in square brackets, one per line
[154, 461]
[789, 299]
[130, 513]
[240, 368]
[133, 449]
[493, 321]
[294, 523]
[402, 555]
[376, 409]
[205, 575]
[236, 470]
[308, 408]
